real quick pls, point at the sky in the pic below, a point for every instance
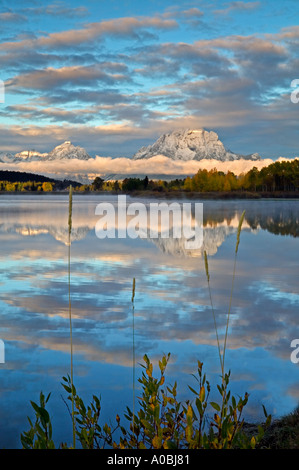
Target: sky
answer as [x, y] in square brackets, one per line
[112, 76]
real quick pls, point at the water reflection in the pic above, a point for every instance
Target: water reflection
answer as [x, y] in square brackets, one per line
[220, 220]
[172, 309]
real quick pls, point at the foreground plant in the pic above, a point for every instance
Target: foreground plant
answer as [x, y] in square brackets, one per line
[162, 422]
[39, 435]
[165, 423]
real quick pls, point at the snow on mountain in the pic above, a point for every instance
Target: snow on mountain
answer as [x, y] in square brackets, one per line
[68, 151]
[173, 155]
[6, 157]
[65, 151]
[29, 156]
[191, 145]
[183, 145]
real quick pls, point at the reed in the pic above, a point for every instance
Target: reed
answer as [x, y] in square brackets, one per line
[134, 363]
[213, 311]
[222, 354]
[233, 281]
[70, 307]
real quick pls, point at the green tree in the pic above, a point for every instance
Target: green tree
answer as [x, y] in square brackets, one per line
[116, 186]
[97, 185]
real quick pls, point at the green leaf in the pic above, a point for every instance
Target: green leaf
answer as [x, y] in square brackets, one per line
[35, 406]
[44, 415]
[215, 405]
[192, 390]
[47, 399]
[199, 406]
[67, 388]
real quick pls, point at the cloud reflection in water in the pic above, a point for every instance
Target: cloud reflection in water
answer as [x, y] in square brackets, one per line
[172, 309]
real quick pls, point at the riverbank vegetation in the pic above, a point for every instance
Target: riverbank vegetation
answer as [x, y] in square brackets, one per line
[277, 178]
[163, 422]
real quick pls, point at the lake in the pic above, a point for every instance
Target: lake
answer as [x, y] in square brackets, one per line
[172, 310]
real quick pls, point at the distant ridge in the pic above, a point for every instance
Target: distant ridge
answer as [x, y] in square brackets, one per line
[23, 177]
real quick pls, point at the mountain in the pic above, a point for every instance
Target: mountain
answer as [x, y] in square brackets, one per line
[29, 156]
[68, 151]
[65, 151]
[6, 157]
[191, 145]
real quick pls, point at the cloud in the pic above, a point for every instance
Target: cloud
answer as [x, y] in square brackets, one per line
[128, 27]
[192, 13]
[192, 16]
[49, 78]
[238, 6]
[234, 84]
[121, 167]
[11, 17]
[56, 9]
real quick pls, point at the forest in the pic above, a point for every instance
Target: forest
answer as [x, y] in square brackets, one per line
[277, 177]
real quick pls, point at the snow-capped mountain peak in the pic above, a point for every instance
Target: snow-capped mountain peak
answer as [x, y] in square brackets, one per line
[191, 144]
[64, 151]
[67, 151]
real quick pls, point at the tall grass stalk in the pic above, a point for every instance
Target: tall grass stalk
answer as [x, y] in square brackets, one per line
[70, 307]
[214, 318]
[134, 364]
[222, 354]
[233, 281]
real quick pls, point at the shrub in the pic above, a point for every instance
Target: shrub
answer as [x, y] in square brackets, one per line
[162, 422]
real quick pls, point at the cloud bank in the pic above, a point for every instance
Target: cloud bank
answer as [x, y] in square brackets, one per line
[122, 167]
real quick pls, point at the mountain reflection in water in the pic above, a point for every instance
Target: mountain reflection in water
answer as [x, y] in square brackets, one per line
[40, 218]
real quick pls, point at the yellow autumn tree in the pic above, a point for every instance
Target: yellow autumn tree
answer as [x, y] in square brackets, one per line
[47, 186]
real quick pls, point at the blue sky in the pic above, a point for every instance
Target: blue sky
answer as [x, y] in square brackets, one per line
[112, 76]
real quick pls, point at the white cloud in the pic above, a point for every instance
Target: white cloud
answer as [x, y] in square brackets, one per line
[158, 165]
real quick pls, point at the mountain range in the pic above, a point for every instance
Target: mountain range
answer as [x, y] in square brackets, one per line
[65, 151]
[185, 145]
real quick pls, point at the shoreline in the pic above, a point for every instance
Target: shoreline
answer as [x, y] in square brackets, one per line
[210, 195]
[217, 195]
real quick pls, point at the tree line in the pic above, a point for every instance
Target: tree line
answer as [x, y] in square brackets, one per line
[279, 176]
[19, 186]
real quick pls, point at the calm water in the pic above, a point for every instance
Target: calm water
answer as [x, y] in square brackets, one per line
[172, 308]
